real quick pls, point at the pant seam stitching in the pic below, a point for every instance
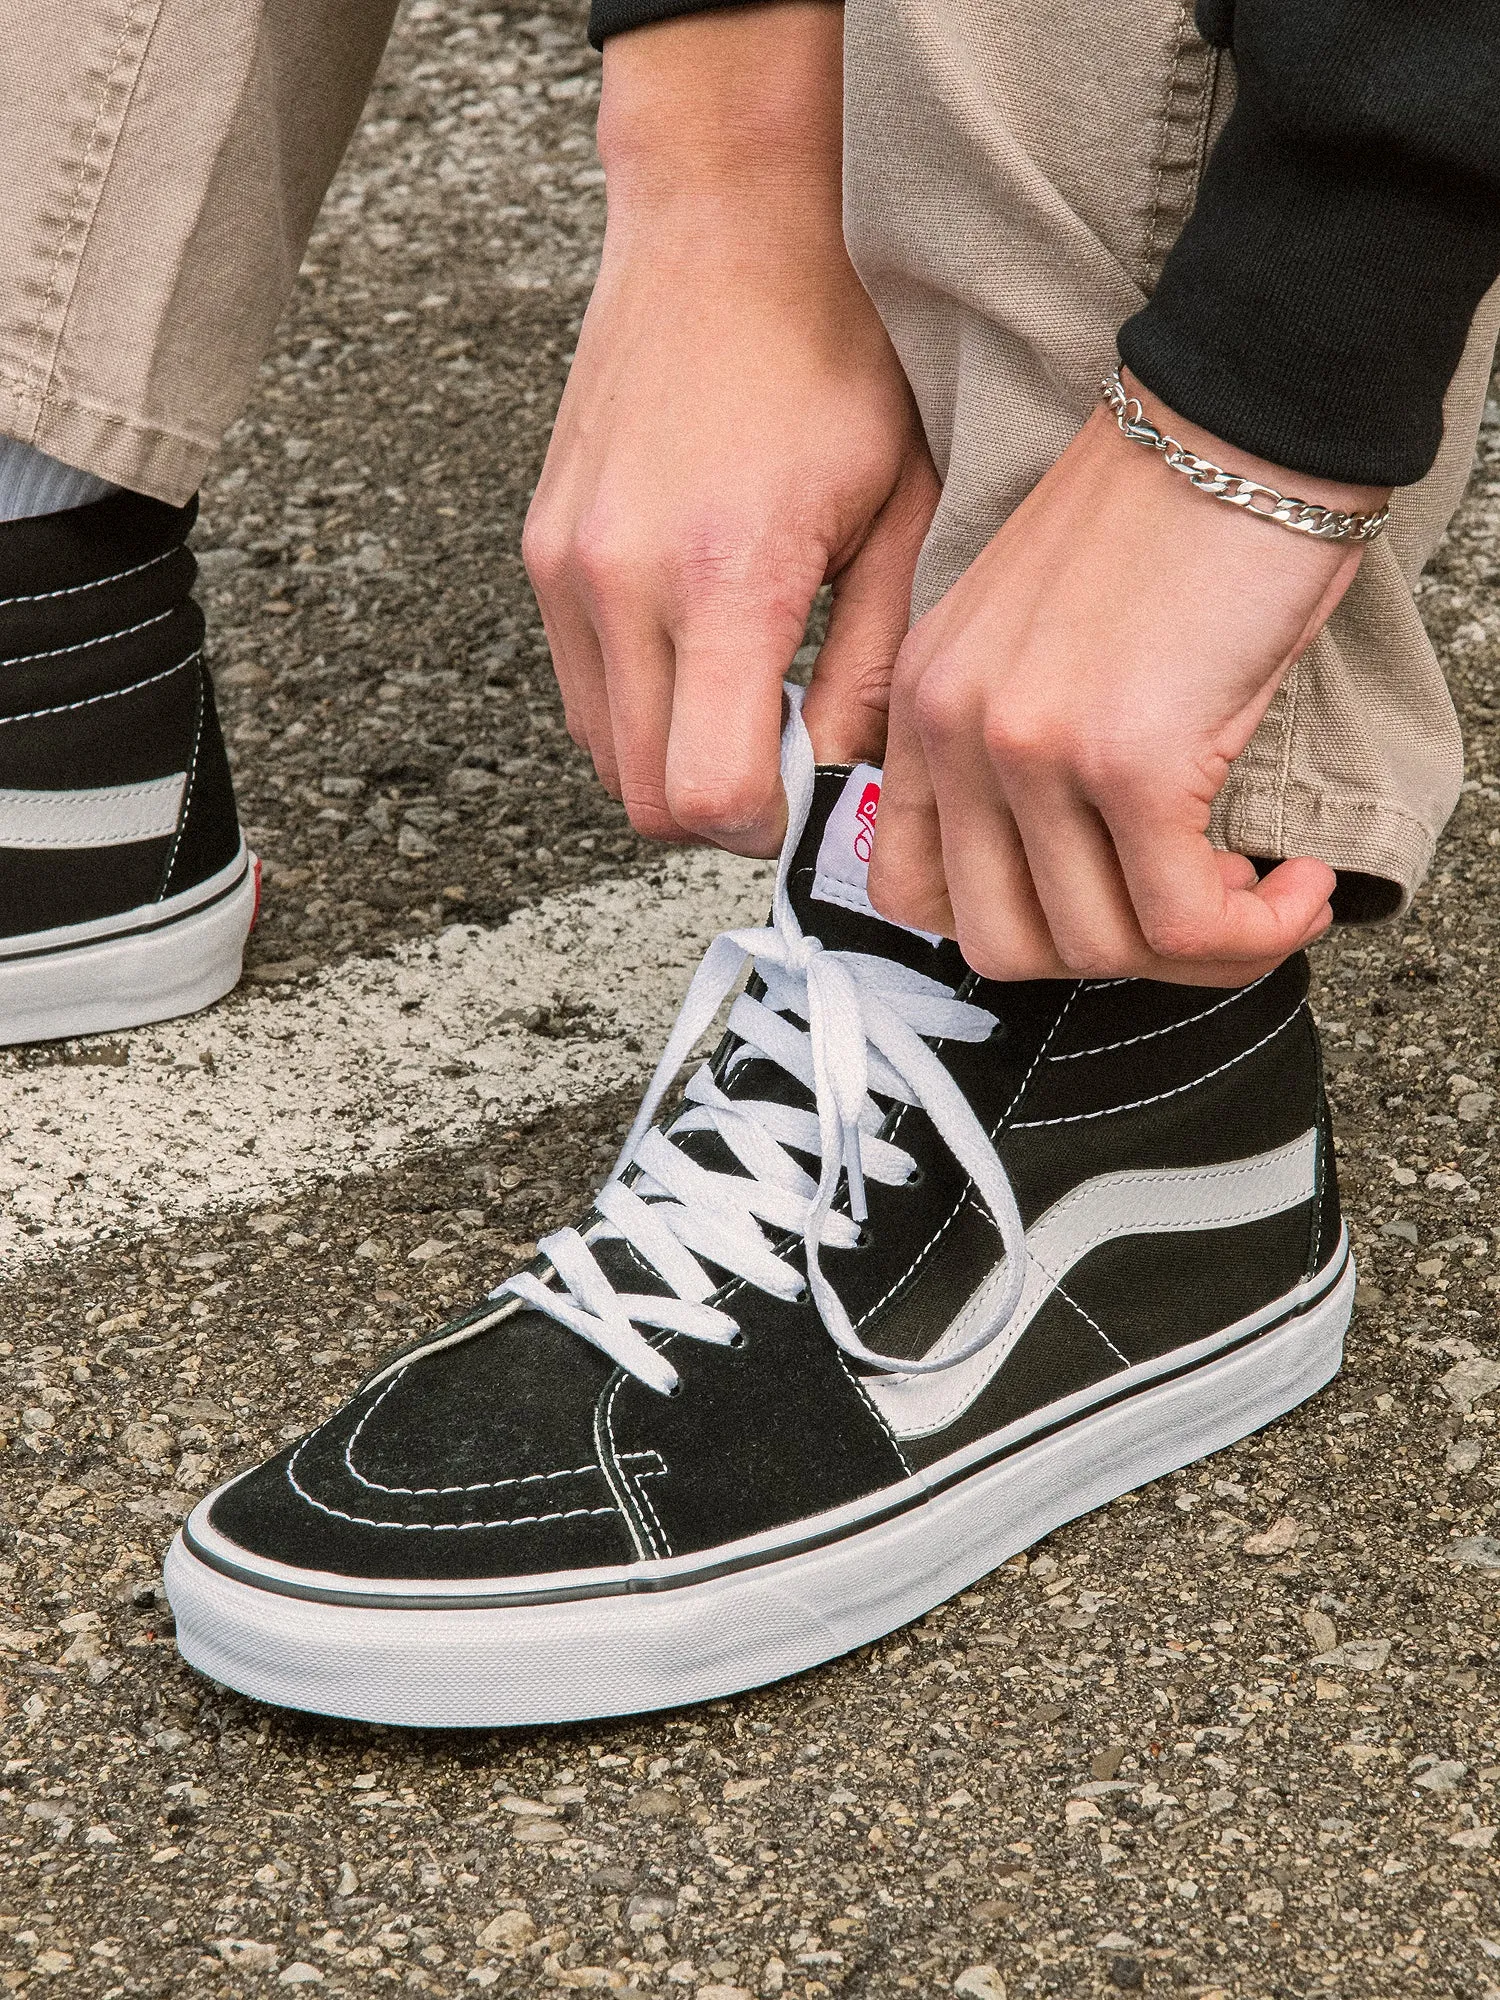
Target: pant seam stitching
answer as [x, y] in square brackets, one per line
[21, 389]
[40, 382]
[1370, 802]
[1153, 217]
[1154, 220]
[1284, 762]
[1187, 102]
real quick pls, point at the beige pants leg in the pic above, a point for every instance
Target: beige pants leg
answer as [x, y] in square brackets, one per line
[1016, 171]
[164, 164]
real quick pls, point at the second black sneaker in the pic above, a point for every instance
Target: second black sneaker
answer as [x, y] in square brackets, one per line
[126, 890]
[924, 1268]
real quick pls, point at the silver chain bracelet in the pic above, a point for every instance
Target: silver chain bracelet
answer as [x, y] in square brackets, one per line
[1303, 517]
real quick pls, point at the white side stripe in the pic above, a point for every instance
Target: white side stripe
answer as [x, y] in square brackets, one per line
[109, 816]
[1156, 1203]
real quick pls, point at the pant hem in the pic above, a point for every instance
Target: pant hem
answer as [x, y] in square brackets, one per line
[145, 458]
[1356, 833]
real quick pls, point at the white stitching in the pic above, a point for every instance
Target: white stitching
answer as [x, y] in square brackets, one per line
[1083, 1313]
[627, 1501]
[1139, 1103]
[1031, 1072]
[653, 1527]
[99, 582]
[84, 645]
[958, 1207]
[434, 1527]
[1318, 1192]
[113, 694]
[875, 1410]
[1320, 1182]
[844, 898]
[930, 1245]
[187, 792]
[965, 987]
[731, 1289]
[1219, 1222]
[437, 1527]
[145, 789]
[1187, 1021]
[479, 1485]
[493, 1485]
[644, 1497]
[64, 845]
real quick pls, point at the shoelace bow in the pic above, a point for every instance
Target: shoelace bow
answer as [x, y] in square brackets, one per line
[866, 1018]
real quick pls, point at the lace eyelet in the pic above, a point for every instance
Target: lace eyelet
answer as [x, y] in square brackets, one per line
[738, 1341]
[676, 1390]
[915, 1178]
[865, 1238]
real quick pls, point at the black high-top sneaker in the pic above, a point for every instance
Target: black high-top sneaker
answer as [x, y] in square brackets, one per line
[926, 1267]
[126, 890]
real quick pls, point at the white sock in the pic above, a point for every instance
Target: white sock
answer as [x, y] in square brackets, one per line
[32, 483]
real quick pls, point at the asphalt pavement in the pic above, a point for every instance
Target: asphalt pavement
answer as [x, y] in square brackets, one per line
[1234, 1736]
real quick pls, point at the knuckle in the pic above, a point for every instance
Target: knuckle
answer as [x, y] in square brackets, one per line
[904, 890]
[718, 809]
[939, 705]
[1175, 934]
[645, 806]
[544, 549]
[726, 587]
[892, 898]
[913, 658]
[1007, 951]
[713, 553]
[1087, 958]
[1015, 736]
[993, 960]
[650, 820]
[602, 556]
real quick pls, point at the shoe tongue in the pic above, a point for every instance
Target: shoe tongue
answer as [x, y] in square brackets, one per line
[829, 874]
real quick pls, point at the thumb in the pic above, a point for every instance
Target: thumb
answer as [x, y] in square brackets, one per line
[849, 695]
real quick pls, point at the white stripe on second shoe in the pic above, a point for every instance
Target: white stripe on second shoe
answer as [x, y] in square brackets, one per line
[104, 816]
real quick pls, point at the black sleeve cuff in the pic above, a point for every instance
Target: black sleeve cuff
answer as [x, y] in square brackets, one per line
[612, 17]
[1317, 303]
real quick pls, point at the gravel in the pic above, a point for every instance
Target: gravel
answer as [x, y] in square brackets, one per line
[1235, 1736]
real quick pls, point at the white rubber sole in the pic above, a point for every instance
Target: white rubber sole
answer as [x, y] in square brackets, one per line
[662, 1634]
[151, 964]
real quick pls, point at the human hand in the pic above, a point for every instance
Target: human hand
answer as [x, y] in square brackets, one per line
[736, 431]
[1063, 719]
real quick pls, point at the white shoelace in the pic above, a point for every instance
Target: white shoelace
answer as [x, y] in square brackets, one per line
[866, 1019]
